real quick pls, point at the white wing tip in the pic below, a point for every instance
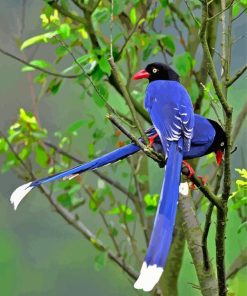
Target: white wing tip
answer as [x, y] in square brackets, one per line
[149, 277]
[184, 188]
[19, 193]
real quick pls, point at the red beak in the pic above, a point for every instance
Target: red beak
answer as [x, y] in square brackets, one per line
[219, 156]
[141, 74]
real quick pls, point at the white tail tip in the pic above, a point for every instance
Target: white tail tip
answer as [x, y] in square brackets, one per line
[149, 277]
[19, 193]
[184, 188]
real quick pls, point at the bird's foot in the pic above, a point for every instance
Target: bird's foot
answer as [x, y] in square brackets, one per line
[187, 169]
[152, 139]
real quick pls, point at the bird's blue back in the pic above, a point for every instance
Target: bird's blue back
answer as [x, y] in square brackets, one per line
[171, 111]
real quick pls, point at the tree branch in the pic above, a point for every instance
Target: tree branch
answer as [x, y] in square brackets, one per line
[65, 12]
[37, 67]
[179, 14]
[222, 11]
[104, 177]
[239, 122]
[73, 219]
[191, 226]
[203, 188]
[150, 153]
[239, 263]
[237, 75]
[210, 63]
[127, 99]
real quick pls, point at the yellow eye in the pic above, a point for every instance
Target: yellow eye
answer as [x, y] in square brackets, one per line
[155, 70]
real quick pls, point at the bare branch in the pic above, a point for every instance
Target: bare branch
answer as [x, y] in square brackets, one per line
[191, 226]
[127, 99]
[191, 13]
[179, 14]
[239, 263]
[203, 188]
[150, 153]
[239, 122]
[37, 67]
[207, 223]
[73, 220]
[65, 12]
[237, 75]
[210, 63]
[238, 16]
[222, 11]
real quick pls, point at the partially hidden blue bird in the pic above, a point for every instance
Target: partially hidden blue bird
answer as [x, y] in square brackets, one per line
[208, 137]
[179, 134]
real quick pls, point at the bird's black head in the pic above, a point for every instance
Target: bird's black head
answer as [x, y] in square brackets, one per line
[157, 71]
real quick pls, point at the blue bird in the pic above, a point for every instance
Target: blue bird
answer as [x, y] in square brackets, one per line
[179, 134]
[208, 137]
[171, 112]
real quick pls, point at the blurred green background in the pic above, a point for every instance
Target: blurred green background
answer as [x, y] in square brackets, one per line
[40, 254]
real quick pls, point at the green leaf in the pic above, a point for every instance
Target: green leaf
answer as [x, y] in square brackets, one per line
[3, 145]
[65, 200]
[118, 7]
[54, 85]
[39, 38]
[235, 9]
[24, 153]
[164, 3]
[100, 15]
[41, 156]
[168, 42]
[242, 226]
[133, 17]
[76, 125]
[91, 150]
[142, 179]
[64, 31]
[183, 64]
[61, 51]
[100, 261]
[148, 51]
[98, 99]
[105, 66]
[27, 117]
[39, 63]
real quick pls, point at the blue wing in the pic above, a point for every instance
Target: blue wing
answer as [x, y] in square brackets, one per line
[171, 111]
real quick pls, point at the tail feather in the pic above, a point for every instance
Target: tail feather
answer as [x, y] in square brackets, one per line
[161, 237]
[106, 159]
[111, 157]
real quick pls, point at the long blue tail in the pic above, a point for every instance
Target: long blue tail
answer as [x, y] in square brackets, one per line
[108, 158]
[161, 237]
[18, 195]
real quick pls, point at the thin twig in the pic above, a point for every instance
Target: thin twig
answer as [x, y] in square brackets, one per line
[191, 13]
[150, 153]
[239, 262]
[127, 99]
[241, 13]
[104, 177]
[237, 75]
[73, 219]
[239, 122]
[37, 67]
[222, 11]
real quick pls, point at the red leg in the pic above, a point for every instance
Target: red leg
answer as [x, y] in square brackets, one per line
[151, 139]
[189, 167]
